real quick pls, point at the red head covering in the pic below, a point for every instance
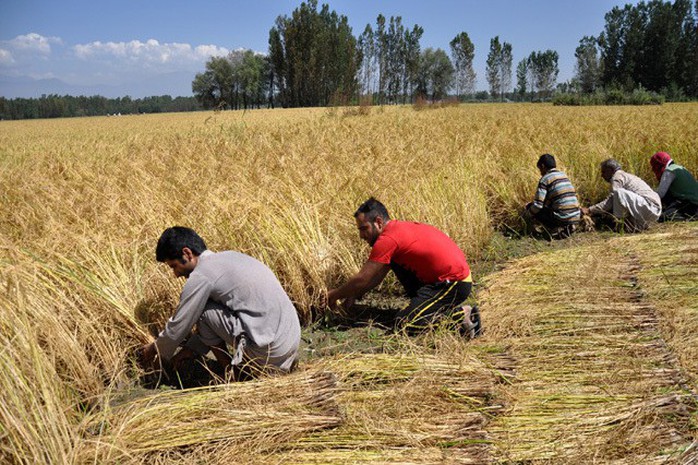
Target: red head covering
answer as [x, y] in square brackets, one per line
[659, 161]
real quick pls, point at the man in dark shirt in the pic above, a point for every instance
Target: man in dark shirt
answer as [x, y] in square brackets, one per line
[429, 265]
[678, 189]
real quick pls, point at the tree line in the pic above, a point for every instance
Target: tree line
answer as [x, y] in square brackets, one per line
[651, 45]
[314, 59]
[61, 106]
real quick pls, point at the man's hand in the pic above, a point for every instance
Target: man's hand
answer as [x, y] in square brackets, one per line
[185, 354]
[348, 303]
[368, 277]
[330, 299]
[146, 356]
[585, 211]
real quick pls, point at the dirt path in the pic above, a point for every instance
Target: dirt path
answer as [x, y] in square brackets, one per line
[596, 381]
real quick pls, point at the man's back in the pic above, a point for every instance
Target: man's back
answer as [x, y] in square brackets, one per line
[632, 183]
[251, 290]
[422, 249]
[556, 192]
[685, 186]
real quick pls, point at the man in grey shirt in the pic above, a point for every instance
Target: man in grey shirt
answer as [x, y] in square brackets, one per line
[234, 299]
[631, 199]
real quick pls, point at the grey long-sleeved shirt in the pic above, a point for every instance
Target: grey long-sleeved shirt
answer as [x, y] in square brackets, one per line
[246, 286]
[665, 183]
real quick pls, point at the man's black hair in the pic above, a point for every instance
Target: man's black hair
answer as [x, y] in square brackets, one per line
[176, 238]
[372, 209]
[546, 161]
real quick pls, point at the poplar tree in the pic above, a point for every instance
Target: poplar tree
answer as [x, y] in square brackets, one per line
[494, 58]
[499, 61]
[314, 57]
[544, 70]
[522, 72]
[588, 71]
[463, 53]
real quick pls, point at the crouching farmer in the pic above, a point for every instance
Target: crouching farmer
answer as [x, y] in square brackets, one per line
[678, 189]
[632, 204]
[235, 300]
[555, 205]
[429, 265]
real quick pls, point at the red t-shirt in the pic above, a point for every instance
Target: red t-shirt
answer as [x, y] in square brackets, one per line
[422, 249]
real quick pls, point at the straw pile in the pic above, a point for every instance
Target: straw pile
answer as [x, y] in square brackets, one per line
[595, 381]
[369, 408]
[401, 408]
[261, 415]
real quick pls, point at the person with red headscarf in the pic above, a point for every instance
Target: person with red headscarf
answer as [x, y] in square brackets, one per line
[678, 189]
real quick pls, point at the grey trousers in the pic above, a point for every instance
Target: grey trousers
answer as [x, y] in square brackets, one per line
[219, 324]
[642, 212]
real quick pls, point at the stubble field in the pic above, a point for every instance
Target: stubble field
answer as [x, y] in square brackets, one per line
[84, 201]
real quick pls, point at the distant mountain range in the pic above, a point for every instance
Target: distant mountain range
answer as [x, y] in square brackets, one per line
[173, 84]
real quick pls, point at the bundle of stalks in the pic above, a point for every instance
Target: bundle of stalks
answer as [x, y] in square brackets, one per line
[270, 412]
[399, 404]
[357, 371]
[57, 360]
[594, 379]
[37, 422]
[63, 299]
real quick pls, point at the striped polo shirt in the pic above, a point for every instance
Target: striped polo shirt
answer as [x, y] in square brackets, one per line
[555, 191]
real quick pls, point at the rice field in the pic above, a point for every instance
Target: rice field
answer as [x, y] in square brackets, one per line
[590, 352]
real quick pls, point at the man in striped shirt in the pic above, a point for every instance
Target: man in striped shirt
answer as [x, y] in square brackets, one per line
[555, 204]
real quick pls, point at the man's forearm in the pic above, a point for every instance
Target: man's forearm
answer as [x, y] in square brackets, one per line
[603, 206]
[370, 275]
[534, 207]
[355, 287]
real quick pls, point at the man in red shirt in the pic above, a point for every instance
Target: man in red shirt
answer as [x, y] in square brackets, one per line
[430, 266]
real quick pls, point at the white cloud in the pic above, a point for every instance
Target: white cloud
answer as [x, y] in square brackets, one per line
[33, 43]
[206, 51]
[46, 75]
[6, 57]
[127, 67]
[150, 52]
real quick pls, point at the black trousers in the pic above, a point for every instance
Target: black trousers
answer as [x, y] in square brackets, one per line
[428, 302]
[547, 218]
[674, 209]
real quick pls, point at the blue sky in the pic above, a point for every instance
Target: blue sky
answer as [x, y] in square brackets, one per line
[155, 47]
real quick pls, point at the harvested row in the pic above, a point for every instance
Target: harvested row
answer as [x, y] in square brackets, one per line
[370, 408]
[667, 277]
[595, 380]
[260, 415]
[420, 409]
